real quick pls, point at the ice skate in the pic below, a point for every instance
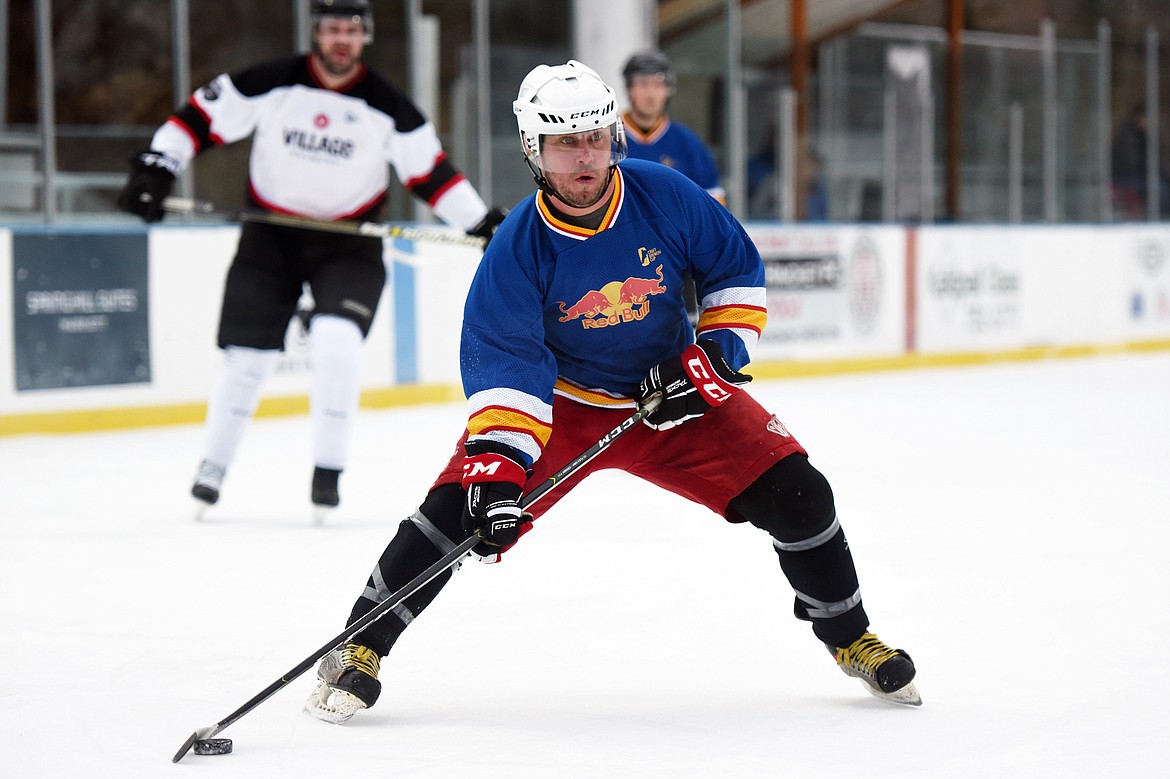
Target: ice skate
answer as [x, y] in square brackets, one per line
[205, 490]
[886, 673]
[347, 682]
[324, 493]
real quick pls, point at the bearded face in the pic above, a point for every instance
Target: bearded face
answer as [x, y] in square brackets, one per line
[576, 166]
[338, 45]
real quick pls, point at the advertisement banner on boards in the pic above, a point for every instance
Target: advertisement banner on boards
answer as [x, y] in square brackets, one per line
[80, 310]
[1149, 282]
[831, 291]
[971, 291]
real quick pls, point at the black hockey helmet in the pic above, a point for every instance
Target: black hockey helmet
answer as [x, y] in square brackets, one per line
[357, 10]
[650, 62]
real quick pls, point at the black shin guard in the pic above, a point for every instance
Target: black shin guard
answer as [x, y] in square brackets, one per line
[421, 539]
[827, 591]
[793, 502]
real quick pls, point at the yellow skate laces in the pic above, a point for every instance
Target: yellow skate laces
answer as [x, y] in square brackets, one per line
[360, 657]
[864, 655]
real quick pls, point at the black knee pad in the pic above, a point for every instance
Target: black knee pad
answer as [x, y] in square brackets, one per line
[792, 501]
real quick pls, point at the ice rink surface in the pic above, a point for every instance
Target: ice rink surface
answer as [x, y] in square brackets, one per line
[1010, 523]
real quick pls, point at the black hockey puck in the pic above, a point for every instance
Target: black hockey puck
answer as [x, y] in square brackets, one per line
[213, 746]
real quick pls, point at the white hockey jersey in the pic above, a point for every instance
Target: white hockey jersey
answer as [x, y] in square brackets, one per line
[319, 152]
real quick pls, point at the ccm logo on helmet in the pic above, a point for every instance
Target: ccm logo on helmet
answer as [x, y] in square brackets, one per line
[592, 112]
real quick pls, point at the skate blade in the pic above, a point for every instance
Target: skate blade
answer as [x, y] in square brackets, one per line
[907, 696]
[201, 507]
[333, 706]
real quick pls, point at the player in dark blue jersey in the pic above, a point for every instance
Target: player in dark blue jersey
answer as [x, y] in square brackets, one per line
[652, 134]
[574, 317]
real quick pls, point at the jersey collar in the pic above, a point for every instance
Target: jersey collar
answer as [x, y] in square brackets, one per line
[558, 225]
[649, 136]
[315, 74]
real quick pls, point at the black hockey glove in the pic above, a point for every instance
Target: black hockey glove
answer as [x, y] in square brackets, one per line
[691, 383]
[487, 226]
[151, 177]
[494, 477]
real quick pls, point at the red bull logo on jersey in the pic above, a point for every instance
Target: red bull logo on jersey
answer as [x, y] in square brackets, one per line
[618, 302]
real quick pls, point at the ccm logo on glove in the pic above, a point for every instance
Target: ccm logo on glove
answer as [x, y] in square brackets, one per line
[493, 477]
[702, 374]
[492, 467]
[697, 380]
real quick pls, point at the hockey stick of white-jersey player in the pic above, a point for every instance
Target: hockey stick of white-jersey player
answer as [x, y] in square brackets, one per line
[418, 582]
[183, 205]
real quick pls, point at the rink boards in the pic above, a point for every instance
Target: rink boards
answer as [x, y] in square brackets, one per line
[115, 327]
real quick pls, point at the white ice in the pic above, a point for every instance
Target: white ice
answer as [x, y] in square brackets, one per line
[1010, 524]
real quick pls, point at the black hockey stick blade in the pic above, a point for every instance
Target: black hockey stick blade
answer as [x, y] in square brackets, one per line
[418, 582]
[198, 735]
[183, 750]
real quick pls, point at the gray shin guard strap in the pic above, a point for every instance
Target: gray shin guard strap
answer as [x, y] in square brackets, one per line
[380, 592]
[820, 538]
[433, 534]
[819, 609]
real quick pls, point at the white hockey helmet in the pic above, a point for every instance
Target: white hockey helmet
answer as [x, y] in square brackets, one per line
[564, 100]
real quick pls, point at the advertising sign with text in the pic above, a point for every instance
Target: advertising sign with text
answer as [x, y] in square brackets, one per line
[80, 310]
[832, 291]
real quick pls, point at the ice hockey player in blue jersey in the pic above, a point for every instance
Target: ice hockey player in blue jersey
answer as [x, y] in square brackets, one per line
[652, 134]
[325, 131]
[574, 318]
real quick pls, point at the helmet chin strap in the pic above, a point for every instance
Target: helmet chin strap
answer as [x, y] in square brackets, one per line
[543, 184]
[541, 181]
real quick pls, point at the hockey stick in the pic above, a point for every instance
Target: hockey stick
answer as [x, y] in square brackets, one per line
[184, 205]
[418, 582]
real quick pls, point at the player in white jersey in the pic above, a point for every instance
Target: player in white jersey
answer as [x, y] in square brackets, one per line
[574, 317]
[325, 131]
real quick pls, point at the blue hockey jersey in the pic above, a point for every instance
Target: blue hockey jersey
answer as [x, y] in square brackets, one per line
[559, 309]
[675, 146]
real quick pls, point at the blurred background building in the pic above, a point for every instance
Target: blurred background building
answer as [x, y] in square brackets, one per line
[833, 110]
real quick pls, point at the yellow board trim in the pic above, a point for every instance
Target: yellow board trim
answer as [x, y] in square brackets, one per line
[412, 395]
[796, 369]
[88, 420]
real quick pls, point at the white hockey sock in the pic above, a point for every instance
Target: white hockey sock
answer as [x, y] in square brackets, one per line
[234, 399]
[337, 362]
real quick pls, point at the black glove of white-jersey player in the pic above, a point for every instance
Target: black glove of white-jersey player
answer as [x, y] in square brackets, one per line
[151, 177]
[487, 226]
[691, 383]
